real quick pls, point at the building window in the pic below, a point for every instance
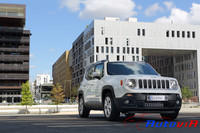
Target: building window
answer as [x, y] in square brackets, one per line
[102, 30]
[127, 41]
[183, 34]
[167, 34]
[96, 57]
[106, 40]
[102, 49]
[173, 34]
[188, 34]
[178, 34]
[111, 41]
[118, 50]
[112, 50]
[137, 50]
[97, 49]
[143, 32]
[91, 59]
[137, 58]
[128, 50]
[107, 57]
[123, 57]
[193, 34]
[107, 49]
[118, 58]
[132, 50]
[133, 58]
[124, 50]
[138, 32]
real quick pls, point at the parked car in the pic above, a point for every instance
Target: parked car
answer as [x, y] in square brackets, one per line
[129, 88]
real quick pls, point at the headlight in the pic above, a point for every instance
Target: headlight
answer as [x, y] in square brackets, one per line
[173, 84]
[131, 83]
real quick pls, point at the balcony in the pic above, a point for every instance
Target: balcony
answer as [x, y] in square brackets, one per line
[15, 39]
[14, 57]
[14, 76]
[14, 49]
[11, 67]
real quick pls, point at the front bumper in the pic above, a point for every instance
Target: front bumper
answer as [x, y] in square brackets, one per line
[137, 102]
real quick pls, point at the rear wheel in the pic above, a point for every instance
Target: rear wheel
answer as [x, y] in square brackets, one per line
[82, 109]
[110, 111]
[169, 116]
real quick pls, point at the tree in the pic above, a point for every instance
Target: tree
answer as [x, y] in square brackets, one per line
[186, 93]
[74, 93]
[27, 98]
[57, 94]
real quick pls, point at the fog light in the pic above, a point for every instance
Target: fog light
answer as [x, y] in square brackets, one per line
[177, 102]
[126, 101]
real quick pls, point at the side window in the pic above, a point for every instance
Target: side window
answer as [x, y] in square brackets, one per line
[89, 73]
[100, 69]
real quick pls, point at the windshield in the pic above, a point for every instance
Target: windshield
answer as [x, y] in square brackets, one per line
[130, 68]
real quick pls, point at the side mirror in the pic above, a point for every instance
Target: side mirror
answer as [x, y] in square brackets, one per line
[96, 75]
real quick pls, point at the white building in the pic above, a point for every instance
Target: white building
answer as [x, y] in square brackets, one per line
[42, 79]
[174, 45]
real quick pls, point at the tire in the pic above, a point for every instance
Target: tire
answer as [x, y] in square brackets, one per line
[169, 116]
[111, 112]
[127, 115]
[82, 109]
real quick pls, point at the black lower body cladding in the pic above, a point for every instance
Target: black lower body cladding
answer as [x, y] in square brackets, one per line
[138, 102]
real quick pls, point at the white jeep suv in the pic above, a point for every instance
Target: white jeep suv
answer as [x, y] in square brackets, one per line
[129, 88]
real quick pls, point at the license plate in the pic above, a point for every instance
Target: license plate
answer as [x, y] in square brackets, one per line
[157, 98]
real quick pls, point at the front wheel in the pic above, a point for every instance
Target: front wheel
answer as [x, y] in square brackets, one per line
[169, 116]
[110, 111]
[82, 109]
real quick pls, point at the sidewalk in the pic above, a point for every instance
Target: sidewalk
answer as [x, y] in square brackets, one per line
[66, 110]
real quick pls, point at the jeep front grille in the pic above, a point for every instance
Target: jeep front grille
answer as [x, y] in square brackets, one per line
[153, 84]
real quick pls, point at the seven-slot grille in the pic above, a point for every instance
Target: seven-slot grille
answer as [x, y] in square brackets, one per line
[153, 84]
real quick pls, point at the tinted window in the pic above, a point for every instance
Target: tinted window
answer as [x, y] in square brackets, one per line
[100, 69]
[89, 73]
[130, 68]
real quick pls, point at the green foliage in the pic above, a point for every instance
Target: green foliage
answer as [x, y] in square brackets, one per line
[27, 98]
[186, 93]
[57, 94]
[74, 91]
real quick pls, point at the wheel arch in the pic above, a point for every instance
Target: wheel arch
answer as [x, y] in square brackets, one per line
[80, 93]
[107, 89]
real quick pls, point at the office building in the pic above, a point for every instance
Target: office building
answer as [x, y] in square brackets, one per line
[173, 49]
[42, 79]
[62, 73]
[14, 52]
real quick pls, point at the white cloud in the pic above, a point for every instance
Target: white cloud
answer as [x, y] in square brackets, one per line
[52, 50]
[139, 7]
[153, 9]
[183, 17]
[32, 67]
[169, 4]
[101, 8]
[72, 5]
[31, 56]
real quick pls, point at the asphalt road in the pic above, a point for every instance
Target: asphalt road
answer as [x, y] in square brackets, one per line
[94, 124]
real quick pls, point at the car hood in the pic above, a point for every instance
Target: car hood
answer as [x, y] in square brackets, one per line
[142, 77]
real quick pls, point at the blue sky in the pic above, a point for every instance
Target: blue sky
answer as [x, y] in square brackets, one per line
[55, 24]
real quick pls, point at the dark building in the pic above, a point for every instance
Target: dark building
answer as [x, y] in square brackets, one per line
[162, 64]
[77, 61]
[14, 52]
